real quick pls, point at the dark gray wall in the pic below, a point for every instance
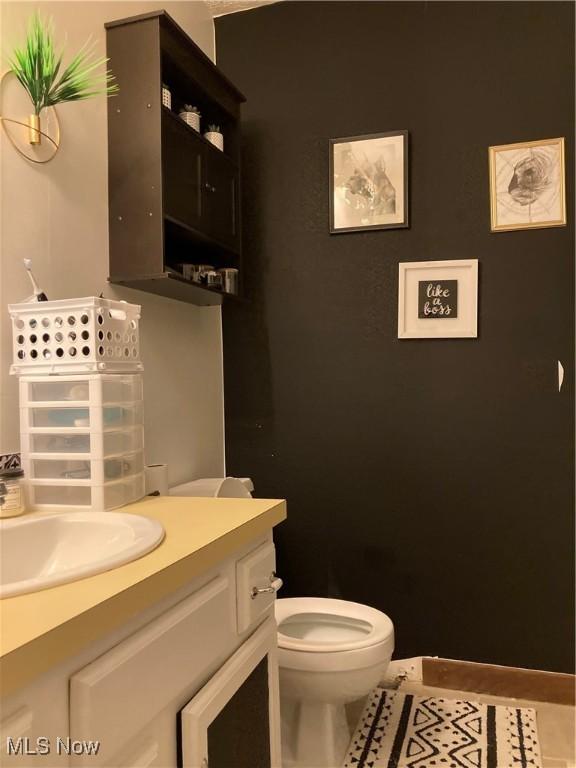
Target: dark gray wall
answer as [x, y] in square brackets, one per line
[431, 479]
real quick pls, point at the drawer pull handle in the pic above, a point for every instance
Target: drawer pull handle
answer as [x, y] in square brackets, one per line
[275, 584]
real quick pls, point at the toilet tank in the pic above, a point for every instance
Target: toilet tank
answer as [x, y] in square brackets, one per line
[216, 487]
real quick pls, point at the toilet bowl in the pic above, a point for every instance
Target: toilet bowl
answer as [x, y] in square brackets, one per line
[330, 652]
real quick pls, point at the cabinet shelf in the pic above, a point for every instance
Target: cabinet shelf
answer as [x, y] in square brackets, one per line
[216, 252]
[196, 135]
[174, 197]
[175, 286]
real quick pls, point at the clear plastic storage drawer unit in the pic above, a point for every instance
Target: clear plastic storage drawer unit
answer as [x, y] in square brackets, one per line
[82, 440]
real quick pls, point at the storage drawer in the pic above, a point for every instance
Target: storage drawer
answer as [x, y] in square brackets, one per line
[94, 390]
[82, 494]
[257, 570]
[96, 418]
[100, 444]
[100, 471]
[112, 697]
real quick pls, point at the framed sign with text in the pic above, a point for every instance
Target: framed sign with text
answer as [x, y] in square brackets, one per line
[438, 299]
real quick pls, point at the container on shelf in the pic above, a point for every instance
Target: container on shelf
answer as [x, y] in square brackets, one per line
[166, 97]
[191, 117]
[186, 270]
[214, 279]
[200, 273]
[215, 138]
[75, 336]
[229, 280]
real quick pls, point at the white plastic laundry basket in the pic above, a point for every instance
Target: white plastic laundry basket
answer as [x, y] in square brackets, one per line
[75, 336]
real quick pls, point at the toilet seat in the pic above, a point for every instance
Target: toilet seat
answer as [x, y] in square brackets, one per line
[322, 625]
[328, 635]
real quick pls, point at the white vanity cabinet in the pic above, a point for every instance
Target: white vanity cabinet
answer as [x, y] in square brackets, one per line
[192, 683]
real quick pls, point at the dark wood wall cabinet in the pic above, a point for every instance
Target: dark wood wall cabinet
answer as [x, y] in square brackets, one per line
[174, 197]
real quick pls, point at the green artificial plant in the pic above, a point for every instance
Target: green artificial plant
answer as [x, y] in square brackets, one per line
[38, 67]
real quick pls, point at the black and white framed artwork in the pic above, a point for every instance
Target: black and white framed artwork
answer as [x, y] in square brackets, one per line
[369, 182]
[527, 185]
[438, 299]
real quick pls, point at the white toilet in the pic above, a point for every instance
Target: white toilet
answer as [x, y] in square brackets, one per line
[330, 652]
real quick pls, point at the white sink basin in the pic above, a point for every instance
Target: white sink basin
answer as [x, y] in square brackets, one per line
[41, 551]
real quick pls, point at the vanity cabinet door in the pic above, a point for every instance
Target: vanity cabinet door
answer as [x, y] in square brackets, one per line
[234, 721]
[141, 677]
[31, 722]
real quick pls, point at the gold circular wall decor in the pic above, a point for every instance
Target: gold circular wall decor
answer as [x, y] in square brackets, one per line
[33, 134]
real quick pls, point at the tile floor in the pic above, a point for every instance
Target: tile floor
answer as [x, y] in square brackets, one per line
[556, 723]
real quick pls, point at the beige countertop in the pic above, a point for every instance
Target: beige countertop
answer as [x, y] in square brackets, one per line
[43, 628]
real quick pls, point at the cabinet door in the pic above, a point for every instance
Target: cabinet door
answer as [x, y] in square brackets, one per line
[31, 720]
[234, 721]
[129, 685]
[182, 164]
[221, 195]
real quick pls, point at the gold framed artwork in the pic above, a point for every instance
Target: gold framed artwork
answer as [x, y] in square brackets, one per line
[527, 186]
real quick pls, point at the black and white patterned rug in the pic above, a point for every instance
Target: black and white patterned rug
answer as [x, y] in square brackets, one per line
[398, 730]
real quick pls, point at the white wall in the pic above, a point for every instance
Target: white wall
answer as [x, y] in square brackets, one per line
[56, 214]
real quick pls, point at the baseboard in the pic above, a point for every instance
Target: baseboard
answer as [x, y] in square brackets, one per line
[508, 682]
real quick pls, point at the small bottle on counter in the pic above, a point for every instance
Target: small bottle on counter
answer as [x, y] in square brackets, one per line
[11, 492]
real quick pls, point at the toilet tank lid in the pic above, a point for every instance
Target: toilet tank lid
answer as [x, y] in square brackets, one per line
[222, 487]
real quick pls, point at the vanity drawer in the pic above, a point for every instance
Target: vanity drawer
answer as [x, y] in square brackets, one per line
[129, 685]
[256, 571]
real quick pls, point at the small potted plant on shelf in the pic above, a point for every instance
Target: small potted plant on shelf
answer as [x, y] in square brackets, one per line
[214, 136]
[191, 116]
